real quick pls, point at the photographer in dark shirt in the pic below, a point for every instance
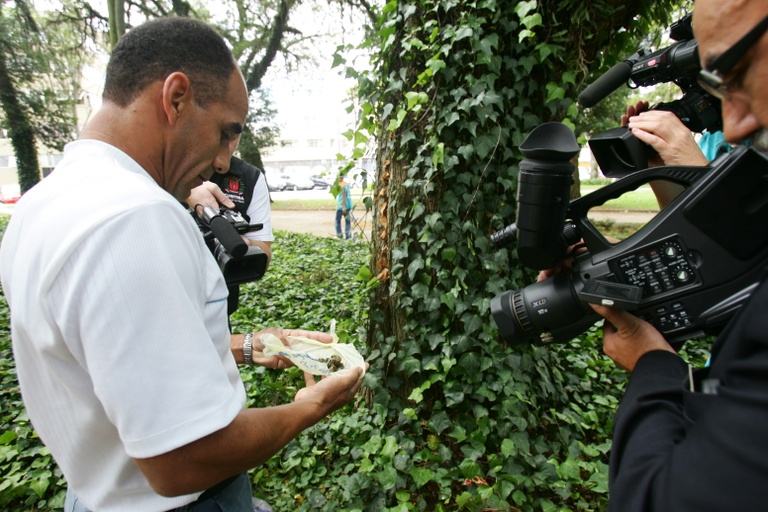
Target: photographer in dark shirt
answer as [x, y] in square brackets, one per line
[241, 187]
[695, 441]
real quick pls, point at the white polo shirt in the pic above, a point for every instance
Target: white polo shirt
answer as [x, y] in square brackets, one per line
[119, 325]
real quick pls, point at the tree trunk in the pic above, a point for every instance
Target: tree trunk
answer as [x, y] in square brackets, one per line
[21, 131]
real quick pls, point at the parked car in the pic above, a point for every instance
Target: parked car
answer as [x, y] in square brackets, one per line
[297, 182]
[288, 182]
[9, 194]
[320, 182]
[302, 183]
[275, 183]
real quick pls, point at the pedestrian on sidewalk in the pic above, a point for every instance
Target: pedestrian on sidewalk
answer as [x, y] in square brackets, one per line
[344, 208]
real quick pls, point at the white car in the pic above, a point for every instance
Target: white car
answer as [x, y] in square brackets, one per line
[302, 183]
[275, 182]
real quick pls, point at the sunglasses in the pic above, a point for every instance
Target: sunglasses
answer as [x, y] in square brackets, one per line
[712, 78]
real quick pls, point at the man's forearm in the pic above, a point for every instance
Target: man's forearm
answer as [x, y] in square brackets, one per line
[251, 439]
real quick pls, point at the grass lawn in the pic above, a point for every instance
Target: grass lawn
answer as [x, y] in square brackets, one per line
[640, 199]
[326, 202]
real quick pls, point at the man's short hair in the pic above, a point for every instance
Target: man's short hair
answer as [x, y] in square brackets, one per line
[159, 47]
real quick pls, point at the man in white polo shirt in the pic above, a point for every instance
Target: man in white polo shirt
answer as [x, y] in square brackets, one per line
[118, 310]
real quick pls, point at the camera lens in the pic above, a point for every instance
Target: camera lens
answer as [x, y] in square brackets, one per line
[549, 311]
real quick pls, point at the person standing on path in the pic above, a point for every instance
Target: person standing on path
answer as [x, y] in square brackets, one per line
[344, 208]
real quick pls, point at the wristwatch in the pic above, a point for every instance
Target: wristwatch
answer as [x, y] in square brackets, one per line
[248, 348]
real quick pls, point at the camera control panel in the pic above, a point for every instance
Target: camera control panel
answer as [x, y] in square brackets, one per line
[657, 269]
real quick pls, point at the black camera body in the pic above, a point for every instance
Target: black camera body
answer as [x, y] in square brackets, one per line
[617, 151]
[239, 262]
[686, 272]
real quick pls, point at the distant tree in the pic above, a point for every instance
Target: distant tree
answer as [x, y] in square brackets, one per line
[260, 130]
[40, 60]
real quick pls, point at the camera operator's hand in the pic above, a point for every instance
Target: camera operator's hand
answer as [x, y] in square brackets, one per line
[665, 133]
[566, 265]
[626, 337]
[279, 362]
[208, 194]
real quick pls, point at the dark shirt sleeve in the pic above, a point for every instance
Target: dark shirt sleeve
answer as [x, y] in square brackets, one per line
[680, 450]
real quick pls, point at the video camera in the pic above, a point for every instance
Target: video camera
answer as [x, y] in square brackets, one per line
[617, 151]
[687, 271]
[239, 262]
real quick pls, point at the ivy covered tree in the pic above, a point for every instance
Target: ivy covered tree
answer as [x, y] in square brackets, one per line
[455, 88]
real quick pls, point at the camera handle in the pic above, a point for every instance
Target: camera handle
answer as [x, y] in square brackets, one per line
[580, 207]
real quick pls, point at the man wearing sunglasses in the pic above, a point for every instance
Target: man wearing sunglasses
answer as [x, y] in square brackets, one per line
[696, 440]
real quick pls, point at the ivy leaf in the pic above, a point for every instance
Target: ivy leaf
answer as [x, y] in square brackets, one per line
[415, 265]
[421, 476]
[390, 447]
[416, 98]
[484, 144]
[534, 20]
[547, 506]
[438, 157]
[364, 274]
[600, 480]
[504, 488]
[569, 470]
[554, 92]
[488, 45]
[440, 421]
[7, 436]
[410, 365]
[523, 8]
[416, 395]
[394, 124]
[356, 483]
[453, 397]
[434, 64]
[449, 300]
[463, 33]
[467, 151]
[508, 448]
[519, 497]
[448, 254]
[387, 477]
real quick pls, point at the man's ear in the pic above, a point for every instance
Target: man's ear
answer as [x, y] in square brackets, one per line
[177, 95]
